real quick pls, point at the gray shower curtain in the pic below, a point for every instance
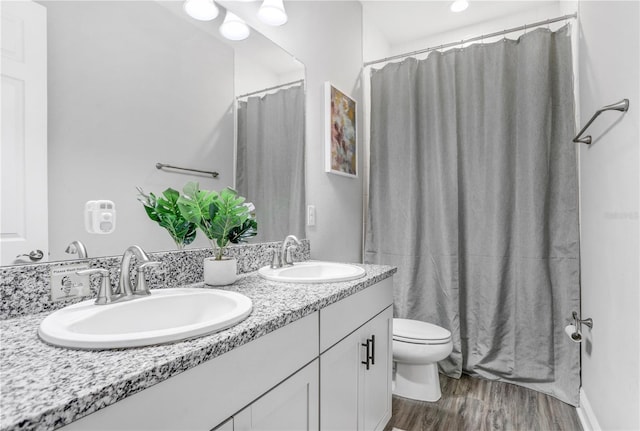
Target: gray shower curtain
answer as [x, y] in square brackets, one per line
[270, 161]
[473, 195]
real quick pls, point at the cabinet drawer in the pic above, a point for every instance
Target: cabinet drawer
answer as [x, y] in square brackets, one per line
[209, 393]
[343, 317]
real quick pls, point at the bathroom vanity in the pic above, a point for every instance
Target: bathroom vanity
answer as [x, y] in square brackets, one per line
[310, 356]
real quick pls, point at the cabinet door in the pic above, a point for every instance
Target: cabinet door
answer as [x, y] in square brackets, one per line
[290, 406]
[339, 374]
[375, 398]
[353, 397]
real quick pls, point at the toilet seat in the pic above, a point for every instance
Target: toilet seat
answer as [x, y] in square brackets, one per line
[416, 332]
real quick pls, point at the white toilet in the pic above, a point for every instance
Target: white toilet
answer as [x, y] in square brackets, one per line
[417, 348]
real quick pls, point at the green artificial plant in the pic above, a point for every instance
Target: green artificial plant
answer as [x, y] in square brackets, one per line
[164, 210]
[223, 217]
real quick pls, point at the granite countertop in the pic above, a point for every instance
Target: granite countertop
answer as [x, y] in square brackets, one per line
[44, 387]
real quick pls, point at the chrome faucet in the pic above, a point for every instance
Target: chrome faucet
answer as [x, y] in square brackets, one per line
[287, 259]
[79, 248]
[125, 288]
[282, 257]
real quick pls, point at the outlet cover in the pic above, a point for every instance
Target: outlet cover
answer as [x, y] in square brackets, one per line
[66, 284]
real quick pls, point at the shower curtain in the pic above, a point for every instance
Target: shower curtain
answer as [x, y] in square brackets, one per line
[270, 161]
[473, 195]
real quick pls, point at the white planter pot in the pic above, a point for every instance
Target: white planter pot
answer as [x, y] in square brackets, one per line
[220, 272]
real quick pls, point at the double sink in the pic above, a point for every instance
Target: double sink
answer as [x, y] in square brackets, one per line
[169, 315]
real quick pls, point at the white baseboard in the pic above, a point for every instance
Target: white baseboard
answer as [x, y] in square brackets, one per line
[588, 419]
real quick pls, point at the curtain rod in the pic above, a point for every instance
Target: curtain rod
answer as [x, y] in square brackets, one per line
[473, 39]
[299, 81]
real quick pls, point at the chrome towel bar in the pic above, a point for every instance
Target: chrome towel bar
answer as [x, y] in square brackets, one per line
[622, 106]
[162, 165]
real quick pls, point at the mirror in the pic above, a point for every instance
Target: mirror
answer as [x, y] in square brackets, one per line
[270, 152]
[132, 84]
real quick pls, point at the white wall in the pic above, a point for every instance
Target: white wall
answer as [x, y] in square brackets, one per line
[260, 64]
[609, 71]
[374, 43]
[131, 85]
[253, 76]
[327, 37]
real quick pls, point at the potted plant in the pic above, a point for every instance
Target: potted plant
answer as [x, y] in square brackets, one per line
[164, 211]
[224, 218]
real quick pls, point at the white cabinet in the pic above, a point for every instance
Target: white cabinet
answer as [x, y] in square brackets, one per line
[290, 406]
[307, 375]
[356, 388]
[355, 361]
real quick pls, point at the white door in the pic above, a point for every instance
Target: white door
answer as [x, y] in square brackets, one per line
[23, 153]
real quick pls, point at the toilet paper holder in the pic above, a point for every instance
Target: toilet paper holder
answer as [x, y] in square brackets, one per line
[577, 322]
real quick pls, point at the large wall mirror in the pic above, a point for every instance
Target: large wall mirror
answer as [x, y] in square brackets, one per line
[130, 84]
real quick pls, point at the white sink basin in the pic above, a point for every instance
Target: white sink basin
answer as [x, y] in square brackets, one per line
[313, 272]
[165, 316]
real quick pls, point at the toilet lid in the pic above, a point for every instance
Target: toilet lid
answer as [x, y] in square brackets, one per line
[415, 331]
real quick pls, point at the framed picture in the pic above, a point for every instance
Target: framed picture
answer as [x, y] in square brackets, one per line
[341, 145]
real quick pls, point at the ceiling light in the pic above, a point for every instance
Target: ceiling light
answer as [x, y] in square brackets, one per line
[203, 10]
[234, 28]
[459, 5]
[272, 12]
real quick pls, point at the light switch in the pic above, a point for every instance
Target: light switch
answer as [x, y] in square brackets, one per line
[311, 215]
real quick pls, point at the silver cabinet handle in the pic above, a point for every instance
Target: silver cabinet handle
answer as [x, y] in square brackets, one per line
[34, 255]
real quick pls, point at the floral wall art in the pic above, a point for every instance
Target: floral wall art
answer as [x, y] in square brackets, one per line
[341, 144]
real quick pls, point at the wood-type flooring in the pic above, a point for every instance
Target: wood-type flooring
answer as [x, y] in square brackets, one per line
[471, 404]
